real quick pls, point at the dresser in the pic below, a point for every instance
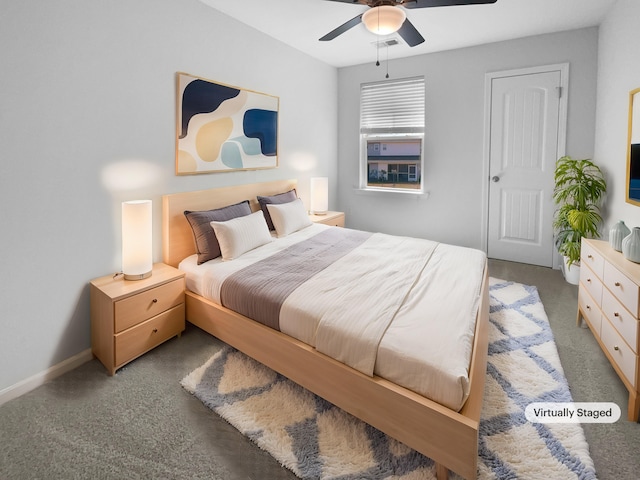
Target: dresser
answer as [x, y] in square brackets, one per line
[609, 302]
[130, 317]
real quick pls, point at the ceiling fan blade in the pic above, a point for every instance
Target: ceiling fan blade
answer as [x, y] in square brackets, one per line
[409, 34]
[342, 28]
[443, 3]
[362, 2]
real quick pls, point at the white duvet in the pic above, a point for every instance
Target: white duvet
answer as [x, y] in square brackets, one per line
[415, 330]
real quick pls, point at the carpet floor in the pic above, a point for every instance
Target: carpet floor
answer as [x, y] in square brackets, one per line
[314, 439]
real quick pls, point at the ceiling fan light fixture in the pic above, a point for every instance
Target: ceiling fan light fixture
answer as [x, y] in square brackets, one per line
[384, 20]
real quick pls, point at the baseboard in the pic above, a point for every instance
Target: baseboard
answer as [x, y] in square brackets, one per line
[20, 388]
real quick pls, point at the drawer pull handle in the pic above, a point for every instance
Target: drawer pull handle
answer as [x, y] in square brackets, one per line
[155, 330]
[615, 347]
[617, 284]
[589, 256]
[588, 307]
[616, 314]
[155, 300]
[588, 280]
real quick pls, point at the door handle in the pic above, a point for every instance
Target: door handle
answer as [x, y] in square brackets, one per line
[495, 179]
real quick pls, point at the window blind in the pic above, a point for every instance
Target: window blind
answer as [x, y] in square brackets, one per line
[395, 106]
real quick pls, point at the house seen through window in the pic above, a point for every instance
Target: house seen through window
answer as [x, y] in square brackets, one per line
[394, 163]
[392, 133]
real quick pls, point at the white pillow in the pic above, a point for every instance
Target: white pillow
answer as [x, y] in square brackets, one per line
[288, 217]
[241, 234]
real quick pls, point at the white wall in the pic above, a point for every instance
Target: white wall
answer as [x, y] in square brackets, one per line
[618, 73]
[88, 95]
[87, 120]
[455, 131]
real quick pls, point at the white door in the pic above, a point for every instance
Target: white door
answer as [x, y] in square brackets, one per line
[525, 121]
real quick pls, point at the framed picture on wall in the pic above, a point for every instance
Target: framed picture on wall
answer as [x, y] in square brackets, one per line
[221, 128]
[633, 149]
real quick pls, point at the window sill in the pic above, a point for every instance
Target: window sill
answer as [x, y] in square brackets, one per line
[417, 194]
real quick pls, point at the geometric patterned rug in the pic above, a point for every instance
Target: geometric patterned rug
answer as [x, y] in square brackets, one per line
[317, 440]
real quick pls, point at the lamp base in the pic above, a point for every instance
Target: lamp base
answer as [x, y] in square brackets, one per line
[137, 276]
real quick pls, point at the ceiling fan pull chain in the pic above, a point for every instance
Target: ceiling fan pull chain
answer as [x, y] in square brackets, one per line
[387, 76]
[378, 45]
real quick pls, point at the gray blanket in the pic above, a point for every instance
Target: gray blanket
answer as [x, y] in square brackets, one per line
[259, 290]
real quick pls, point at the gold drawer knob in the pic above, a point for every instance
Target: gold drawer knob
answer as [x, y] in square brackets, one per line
[617, 284]
[616, 314]
[588, 307]
[588, 280]
[155, 300]
[616, 348]
[155, 330]
[589, 256]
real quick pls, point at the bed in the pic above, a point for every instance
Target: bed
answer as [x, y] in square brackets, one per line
[446, 434]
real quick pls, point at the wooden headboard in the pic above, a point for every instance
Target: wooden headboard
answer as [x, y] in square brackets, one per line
[177, 236]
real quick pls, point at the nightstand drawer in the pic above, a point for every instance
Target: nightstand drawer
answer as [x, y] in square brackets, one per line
[142, 338]
[334, 219]
[622, 320]
[590, 310]
[620, 352]
[592, 283]
[138, 308]
[624, 289]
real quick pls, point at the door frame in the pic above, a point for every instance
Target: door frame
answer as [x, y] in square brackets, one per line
[563, 68]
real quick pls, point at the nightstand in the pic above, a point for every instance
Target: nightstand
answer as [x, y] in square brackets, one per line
[335, 219]
[131, 317]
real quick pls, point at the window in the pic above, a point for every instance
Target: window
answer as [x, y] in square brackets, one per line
[391, 133]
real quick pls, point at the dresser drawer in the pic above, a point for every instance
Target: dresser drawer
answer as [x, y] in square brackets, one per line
[138, 308]
[590, 256]
[147, 335]
[590, 310]
[622, 320]
[592, 283]
[624, 289]
[619, 351]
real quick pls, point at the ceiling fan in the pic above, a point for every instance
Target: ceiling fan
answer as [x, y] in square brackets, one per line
[388, 16]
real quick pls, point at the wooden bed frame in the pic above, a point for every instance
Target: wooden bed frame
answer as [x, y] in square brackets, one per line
[449, 438]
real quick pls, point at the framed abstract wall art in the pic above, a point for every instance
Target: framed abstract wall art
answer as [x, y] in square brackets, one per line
[221, 128]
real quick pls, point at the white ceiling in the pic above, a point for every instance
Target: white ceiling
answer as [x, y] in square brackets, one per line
[300, 23]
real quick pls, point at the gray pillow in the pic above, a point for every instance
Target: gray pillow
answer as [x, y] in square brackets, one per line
[285, 197]
[207, 246]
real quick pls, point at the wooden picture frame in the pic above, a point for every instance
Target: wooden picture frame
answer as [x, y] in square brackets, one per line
[222, 128]
[633, 149]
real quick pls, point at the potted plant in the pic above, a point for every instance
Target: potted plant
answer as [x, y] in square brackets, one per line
[579, 189]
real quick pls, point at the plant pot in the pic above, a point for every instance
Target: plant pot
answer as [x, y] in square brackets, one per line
[571, 273]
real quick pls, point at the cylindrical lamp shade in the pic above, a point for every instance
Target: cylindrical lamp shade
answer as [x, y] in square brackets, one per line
[137, 239]
[319, 195]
